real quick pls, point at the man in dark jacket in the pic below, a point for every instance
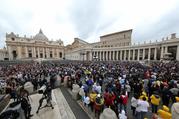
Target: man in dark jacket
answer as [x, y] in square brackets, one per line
[25, 104]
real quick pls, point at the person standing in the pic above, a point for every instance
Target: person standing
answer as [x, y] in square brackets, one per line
[92, 97]
[134, 104]
[165, 96]
[128, 89]
[124, 99]
[25, 103]
[142, 108]
[155, 100]
[175, 109]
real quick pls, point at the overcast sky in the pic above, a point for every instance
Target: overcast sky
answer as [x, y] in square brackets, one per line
[89, 19]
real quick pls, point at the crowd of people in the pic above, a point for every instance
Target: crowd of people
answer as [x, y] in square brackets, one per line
[117, 85]
[121, 86]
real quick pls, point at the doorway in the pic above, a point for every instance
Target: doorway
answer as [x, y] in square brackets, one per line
[14, 54]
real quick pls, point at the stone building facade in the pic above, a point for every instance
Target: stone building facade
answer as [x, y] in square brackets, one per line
[33, 48]
[118, 46]
[75, 50]
[111, 47]
[3, 54]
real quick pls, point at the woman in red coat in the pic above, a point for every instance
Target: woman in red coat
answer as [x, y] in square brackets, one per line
[124, 99]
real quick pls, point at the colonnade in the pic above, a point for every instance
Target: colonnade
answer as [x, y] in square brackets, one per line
[150, 53]
[35, 52]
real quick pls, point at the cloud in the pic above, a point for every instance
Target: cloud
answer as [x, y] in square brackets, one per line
[88, 19]
[163, 27]
[85, 16]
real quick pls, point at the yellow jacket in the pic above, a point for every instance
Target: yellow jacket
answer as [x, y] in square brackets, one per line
[177, 99]
[155, 100]
[143, 95]
[164, 114]
[92, 97]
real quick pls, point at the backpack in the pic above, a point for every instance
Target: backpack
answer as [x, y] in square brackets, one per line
[24, 103]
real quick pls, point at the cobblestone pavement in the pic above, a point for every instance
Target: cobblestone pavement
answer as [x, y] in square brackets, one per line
[75, 107]
[61, 109]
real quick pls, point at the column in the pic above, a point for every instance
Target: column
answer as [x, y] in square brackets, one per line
[103, 56]
[177, 53]
[47, 52]
[106, 55]
[143, 54]
[19, 52]
[95, 55]
[34, 53]
[43, 50]
[54, 50]
[120, 54]
[124, 55]
[155, 54]
[129, 55]
[26, 52]
[90, 56]
[38, 52]
[109, 55]
[138, 54]
[85, 56]
[133, 55]
[113, 55]
[9, 52]
[166, 49]
[161, 53]
[99, 58]
[149, 54]
[54, 53]
[100, 55]
[117, 55]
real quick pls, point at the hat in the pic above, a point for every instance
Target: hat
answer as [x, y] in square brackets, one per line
[177, 99]
[165, 108]
[159, 112]
[144, 93]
